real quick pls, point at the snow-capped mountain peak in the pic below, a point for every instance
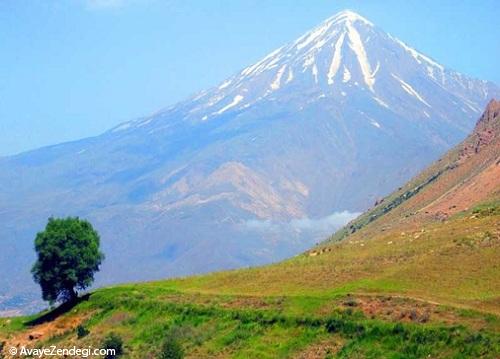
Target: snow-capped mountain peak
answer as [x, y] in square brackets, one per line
[347, 15]
[317, 53]
[344, 57]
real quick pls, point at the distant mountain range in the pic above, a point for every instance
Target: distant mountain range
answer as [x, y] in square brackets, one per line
[259, 168]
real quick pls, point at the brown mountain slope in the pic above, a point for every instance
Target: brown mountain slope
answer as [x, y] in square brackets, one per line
[479, 157]
[466, 175]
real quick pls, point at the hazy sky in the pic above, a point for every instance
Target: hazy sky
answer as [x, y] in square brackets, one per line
[74, 68]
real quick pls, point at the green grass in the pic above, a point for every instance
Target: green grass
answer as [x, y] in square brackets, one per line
[215, 330]
[12, 325]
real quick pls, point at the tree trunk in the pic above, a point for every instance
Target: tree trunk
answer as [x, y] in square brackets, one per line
[73, 295]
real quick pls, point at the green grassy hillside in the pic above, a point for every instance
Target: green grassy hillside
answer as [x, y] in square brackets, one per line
[388, 296]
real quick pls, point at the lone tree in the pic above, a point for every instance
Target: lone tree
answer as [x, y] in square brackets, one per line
[68, 256]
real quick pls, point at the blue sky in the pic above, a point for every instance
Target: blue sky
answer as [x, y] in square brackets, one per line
[74, 68]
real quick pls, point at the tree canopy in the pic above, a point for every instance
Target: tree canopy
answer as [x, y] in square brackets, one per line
[68, 256]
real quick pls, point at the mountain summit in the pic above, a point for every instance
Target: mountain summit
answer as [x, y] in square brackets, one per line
[346, 55]
[253, 170]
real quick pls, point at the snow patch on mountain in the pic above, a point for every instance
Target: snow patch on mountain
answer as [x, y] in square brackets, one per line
[347, 75]
[225, 84]
[419, 57]
[348, 15]
[122, 127]
[277, 80]
[380, 102]
[411, 90]
[315, 73]
[375, 123]
[236, 100]
[337, 57]
[290, 75]
[357, 46]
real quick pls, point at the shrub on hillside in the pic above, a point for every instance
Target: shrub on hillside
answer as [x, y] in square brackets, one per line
[81, 331]
[113, 341]
[171, 349]
[487, 210]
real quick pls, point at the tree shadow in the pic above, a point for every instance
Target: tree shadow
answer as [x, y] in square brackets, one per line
[56, 312]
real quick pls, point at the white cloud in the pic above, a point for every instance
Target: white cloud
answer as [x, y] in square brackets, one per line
[312, 226]
[325, 224]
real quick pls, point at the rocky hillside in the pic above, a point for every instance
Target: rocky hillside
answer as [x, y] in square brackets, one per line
[466, 175]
